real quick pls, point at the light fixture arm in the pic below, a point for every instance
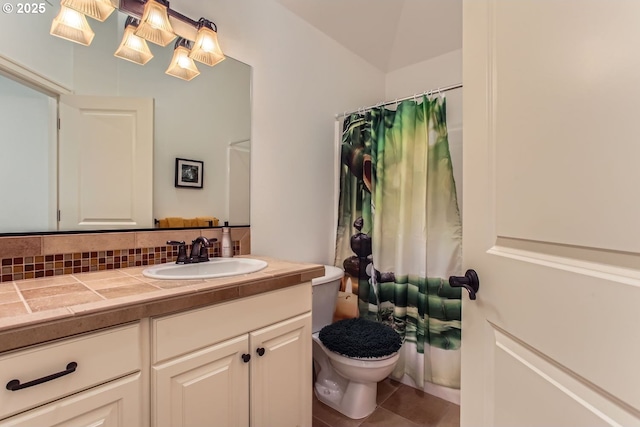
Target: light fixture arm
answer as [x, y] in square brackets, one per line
[181, 41]
[131, 21]
[203, 22]
[136, 7]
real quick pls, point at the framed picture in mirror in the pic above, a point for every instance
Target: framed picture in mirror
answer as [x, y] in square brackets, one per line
[189, 173]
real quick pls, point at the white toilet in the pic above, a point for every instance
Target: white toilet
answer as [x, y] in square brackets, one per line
[346, 384]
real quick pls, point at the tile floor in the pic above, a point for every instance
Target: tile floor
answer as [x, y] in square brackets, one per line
[398, 406]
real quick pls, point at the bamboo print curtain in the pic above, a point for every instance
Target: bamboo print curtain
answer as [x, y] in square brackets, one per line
[399, 233]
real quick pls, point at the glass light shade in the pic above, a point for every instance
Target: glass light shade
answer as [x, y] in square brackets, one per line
[181, 65]
[154, 25]
[206, 48]
[73, 26]
[133, 48]
[96, 9]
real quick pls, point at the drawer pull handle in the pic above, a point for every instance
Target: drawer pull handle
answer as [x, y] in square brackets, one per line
[14, 385]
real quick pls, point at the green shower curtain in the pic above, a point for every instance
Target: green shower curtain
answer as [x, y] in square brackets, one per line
[399, 232]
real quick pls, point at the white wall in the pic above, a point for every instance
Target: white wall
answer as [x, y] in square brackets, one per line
[444, 70]
[23, 36]
[25, 170]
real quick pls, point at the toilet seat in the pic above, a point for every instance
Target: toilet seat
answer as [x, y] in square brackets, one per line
[361, 338]
[354, 361]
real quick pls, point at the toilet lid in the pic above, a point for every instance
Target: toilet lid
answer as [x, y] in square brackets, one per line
[360, 338]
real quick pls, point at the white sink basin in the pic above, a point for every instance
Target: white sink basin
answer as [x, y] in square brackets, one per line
[215, 267]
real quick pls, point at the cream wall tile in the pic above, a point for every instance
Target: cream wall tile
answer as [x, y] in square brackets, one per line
[243, 235]
[12, 247]
[239, 233]
[212, 233]
[152, 239]
[92, 242]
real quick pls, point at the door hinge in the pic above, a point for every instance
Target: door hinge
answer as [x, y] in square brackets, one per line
[58, 123]
[58, 215]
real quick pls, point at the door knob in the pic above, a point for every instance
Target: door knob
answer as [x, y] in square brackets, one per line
[246, 358]
[469, 281]
[260, 351]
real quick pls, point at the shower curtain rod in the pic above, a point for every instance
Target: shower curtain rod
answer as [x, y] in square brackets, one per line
[395, 101]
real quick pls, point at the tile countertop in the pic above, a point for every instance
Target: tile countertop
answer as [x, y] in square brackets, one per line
[39, 310]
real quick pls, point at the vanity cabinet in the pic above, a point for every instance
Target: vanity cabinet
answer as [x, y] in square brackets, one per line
[99, 382]
[242, 363]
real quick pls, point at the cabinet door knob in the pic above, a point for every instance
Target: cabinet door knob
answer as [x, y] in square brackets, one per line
[246, 358]
[260, 351]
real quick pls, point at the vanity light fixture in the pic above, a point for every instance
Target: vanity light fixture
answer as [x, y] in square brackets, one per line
[154, 25]
[148, 20]
[133, 48]
[206, 48]
[181, 65]
[72, 25]
[96, 9]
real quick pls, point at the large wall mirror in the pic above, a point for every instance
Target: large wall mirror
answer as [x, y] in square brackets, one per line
[207, 119]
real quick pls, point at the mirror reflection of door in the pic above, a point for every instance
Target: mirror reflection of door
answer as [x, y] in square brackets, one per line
[106, 162]
[28, 166]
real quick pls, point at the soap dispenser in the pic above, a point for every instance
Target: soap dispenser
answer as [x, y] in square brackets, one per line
[227, 250]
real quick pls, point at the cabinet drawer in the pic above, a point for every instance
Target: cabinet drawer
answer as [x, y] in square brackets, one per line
[100, 357]
[117, 403]
[183, 333]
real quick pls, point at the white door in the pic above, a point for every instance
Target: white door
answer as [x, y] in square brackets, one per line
[552, 213]
[105, 162]
[281, 374]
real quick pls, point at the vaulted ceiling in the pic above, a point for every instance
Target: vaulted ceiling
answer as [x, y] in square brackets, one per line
[390, 34]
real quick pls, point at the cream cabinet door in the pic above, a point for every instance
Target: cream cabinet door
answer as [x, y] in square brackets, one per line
[105, 162]
[115, 404]
[207, 387]
[551, 101]
[281, 375]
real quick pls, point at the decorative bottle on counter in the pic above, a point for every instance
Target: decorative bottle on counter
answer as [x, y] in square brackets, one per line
[227, 250]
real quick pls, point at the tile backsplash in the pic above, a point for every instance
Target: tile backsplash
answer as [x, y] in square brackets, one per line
[29, 257]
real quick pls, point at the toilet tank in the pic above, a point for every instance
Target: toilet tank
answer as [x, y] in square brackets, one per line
[325, 295]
